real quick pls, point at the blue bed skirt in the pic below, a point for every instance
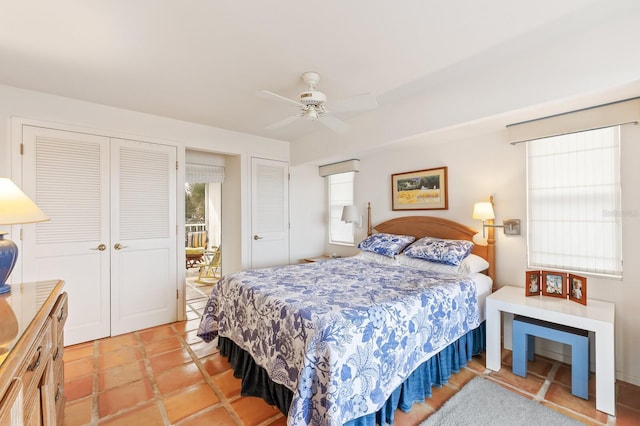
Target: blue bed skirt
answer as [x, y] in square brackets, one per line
[434, 372]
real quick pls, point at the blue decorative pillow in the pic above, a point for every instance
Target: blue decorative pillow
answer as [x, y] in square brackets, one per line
[449, 252]
[386, 244]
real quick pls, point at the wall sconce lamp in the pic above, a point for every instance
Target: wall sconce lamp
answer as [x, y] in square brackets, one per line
[484, 211]
[350, 214]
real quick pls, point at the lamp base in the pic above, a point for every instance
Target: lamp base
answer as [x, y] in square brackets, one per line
[8, 257]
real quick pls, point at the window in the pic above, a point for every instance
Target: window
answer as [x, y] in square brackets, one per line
[574, 202]
[340, 195]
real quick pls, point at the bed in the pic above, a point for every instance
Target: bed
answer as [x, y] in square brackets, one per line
[347, 341]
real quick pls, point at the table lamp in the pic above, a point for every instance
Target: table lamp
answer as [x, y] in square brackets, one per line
[15, 208]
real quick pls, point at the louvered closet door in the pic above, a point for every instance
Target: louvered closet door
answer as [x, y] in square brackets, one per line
[67, 175]
[143, 235]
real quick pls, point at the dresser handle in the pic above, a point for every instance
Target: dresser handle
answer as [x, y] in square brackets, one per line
[61, 315]
[57, 354]
[58, 392]
[35, 364]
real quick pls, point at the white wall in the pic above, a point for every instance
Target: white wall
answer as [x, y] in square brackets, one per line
[308, 212]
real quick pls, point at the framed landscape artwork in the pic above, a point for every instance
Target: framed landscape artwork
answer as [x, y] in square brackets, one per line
[420, 190]
[554, 284]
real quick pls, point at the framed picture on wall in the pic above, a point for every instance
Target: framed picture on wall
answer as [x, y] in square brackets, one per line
[578, 289]
[532, 283]
[554, 284]
[420, 190]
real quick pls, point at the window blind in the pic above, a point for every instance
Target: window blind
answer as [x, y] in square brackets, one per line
[340, 195]
[574, 202]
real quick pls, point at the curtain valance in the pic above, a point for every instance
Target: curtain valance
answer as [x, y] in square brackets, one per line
[597, 117]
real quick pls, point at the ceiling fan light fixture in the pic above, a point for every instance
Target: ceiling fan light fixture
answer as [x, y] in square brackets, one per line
[310, 113]
[311, 105]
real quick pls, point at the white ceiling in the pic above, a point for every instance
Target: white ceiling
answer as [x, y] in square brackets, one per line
[204, 61]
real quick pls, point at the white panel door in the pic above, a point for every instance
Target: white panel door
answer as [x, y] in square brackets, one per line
[112, 234]
[269, 213]
[143, 235]
[67, 175]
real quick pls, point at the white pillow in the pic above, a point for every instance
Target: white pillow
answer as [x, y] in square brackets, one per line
[469, 265]
[472, 264]
[375, 257]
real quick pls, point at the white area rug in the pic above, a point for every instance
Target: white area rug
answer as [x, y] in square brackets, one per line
[482, 402]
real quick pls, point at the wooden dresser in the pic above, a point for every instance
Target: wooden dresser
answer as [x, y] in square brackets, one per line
[31, 367]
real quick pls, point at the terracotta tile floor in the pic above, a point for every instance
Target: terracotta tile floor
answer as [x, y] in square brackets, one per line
[167, 376]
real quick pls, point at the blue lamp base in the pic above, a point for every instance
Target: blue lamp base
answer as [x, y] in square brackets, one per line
[8, 257]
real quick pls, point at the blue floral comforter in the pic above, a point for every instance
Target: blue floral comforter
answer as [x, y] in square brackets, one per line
[341, 334]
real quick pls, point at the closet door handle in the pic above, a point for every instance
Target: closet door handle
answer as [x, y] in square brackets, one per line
[101, 247]
[119, 246]
[257, 237]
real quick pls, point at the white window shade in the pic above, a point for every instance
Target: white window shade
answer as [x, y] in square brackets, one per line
[574, 202]
[204, 173]
[612, 114]
[340, 195]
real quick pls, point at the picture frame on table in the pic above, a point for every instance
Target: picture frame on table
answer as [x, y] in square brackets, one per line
[554, 284]
[532, 283]
[420, 190]
[578, 289]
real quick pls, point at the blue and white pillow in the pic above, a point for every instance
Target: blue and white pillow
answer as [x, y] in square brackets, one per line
[386, 244]
[449, 252]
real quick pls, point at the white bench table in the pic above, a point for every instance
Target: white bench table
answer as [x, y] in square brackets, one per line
[597, 317]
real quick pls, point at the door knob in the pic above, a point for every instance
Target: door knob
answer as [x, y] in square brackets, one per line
[257, 237]
[101, 247]
[119, 246]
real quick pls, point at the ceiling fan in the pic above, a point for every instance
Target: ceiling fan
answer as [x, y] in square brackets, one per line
[312, 105]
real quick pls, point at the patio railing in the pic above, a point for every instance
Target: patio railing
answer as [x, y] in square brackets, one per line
[194, 227]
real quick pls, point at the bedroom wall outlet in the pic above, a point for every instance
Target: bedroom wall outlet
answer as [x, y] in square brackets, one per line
[511, 226]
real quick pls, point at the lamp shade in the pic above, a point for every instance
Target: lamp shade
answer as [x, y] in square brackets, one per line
[483, 210]
[350, 214]
[16, 207]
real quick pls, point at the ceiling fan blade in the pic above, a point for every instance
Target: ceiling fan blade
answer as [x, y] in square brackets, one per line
[333, 123]
[265, 94]
[354, 103]
[282, 122]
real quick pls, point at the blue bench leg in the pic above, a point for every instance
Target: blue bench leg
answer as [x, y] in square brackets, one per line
[580, 368]
[520, 350]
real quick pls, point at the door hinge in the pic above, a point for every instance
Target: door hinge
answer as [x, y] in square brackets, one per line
[176, 165]
[21, 149]
[177, 294]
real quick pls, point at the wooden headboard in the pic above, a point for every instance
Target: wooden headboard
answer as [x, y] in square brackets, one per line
[422, 226]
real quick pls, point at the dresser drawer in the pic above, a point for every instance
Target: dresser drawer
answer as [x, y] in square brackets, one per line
[34, 369]
[58, 390]
[59, 315]
[57, 352]
[37, 358]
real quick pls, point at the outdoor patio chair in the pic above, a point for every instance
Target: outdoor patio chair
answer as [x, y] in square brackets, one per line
[210, 267]
[195, 247]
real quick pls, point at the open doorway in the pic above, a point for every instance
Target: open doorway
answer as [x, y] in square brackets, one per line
[203, 248]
